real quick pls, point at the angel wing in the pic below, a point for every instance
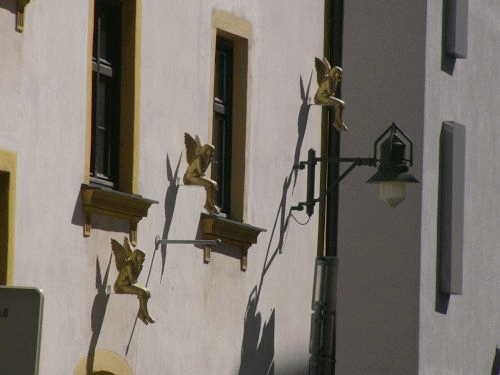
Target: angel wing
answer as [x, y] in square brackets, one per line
[192, 147]
[322, 69]
[122, 253]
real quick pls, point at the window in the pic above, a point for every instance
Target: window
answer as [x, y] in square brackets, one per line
[114, 80]
[222, 122]
[105, 153]
[231, 116]
[110, 185]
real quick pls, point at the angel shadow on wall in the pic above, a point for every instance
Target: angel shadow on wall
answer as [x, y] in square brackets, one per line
[98, 311]
[169, 206]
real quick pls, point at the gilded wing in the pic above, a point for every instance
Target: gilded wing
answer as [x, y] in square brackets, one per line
[198, 144]
[192, 147]
[122, 253]
[322, 69]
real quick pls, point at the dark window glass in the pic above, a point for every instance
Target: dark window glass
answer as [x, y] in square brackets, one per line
[222, 124]
[106, 93]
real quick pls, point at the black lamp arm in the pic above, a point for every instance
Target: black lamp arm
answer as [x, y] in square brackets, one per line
[311, 162]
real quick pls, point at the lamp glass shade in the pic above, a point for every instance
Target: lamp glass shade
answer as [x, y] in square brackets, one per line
[392, 192]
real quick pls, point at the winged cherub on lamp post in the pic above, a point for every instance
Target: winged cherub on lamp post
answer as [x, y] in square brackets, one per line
[129, 264]
[328, 82]
[199, 157]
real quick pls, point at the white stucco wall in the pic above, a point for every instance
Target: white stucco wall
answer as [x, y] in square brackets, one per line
[462, 339]
[200, 309]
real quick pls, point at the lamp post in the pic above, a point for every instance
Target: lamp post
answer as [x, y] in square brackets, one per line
[389, 156]
[392, 174]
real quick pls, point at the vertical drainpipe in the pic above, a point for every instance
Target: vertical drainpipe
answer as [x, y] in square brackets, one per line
[329, 172]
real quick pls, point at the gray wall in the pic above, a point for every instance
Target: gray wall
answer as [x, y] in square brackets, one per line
[379, 246]
[460, 335]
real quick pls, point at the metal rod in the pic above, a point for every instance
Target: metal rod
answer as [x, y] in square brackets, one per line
[159, 241]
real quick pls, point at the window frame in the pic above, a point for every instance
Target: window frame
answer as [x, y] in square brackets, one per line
[105, 164]
[8, 168]
[129, 112]
[122, 200]
[239, 32]
[222, 122]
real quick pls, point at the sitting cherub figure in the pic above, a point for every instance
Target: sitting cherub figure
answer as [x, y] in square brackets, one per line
[129, 264]
[199, 157]
[328, 82]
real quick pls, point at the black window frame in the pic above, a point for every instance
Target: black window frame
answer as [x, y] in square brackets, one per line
[106, 96]
[223, 122]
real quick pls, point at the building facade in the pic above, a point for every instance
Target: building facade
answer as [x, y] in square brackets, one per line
[95, 101]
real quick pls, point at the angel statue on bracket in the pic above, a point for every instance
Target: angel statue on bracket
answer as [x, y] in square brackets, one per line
[328, 83]
[129, 264]
[199, 157]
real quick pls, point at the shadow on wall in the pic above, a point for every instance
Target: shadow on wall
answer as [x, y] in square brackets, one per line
[257, 357]
[98, 311]
[495, 369]
[10, 5]
[102, 222]
[301, 124]
[442, 299]
[447, 61]
[170, 199]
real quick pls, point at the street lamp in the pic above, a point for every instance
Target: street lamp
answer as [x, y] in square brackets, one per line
[389, 155]
[392, 174]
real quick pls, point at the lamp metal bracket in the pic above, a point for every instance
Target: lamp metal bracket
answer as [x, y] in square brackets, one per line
[311, 162]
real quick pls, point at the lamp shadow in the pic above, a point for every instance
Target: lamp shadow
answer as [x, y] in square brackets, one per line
[257, 357]
[98, 311]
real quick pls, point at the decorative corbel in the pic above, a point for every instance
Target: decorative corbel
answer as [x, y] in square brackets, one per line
[129, 207]
[21, 4]
[229, 232]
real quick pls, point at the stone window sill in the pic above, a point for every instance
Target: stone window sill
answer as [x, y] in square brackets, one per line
[103, 201]
[229, 232]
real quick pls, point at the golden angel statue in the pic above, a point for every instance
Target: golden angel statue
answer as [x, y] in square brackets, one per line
[199, 157]
[129, 264]
[328, 82]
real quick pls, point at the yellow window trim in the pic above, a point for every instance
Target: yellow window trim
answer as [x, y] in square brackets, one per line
[239, 31]
[8, 163]
[127, 203]
[130, 88]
